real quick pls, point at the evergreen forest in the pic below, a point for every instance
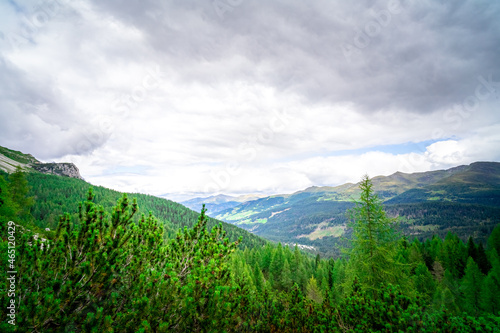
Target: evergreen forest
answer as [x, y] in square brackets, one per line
[96, 260]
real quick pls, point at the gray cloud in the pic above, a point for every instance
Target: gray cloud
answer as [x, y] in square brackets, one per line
[36, 115]
[349, 75]
[425, 57]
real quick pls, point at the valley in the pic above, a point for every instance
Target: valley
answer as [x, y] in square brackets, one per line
[158, 256]
[464, 200]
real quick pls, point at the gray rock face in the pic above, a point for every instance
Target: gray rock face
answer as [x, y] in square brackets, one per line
[61, 169]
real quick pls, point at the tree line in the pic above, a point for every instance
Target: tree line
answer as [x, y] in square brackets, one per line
[116, 269]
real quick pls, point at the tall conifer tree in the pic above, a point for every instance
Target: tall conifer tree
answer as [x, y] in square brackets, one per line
[373, 251]
[471, 287]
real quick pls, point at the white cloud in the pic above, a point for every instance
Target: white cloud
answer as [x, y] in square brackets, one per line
[180, 96]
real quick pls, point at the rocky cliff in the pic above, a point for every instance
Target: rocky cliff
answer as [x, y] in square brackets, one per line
[60, 169]
[11, 159]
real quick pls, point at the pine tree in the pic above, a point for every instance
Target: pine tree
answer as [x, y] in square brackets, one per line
[374, 247]
[200, 261]
[298, 269]
[241, 274]
[82, 266]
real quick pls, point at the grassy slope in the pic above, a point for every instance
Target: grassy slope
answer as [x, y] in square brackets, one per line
[18, 156]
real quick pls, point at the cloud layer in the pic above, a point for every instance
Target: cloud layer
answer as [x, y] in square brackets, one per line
[241, 96]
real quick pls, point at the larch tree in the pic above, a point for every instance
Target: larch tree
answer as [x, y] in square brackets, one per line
[313, 291]
[471, 287]
[371, 257]
[490, 295]
[286, 277]
[494, 240]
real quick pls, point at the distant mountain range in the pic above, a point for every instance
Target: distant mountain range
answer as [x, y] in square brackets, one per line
[463, 199]
[217, 203]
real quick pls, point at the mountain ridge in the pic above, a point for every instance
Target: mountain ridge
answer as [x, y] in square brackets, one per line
[56, 193]
[219, 202]
[10, 160]
[462, 199]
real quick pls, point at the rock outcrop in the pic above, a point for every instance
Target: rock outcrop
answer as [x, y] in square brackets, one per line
[60, 169]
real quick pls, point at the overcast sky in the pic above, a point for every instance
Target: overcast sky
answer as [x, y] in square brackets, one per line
[192, 98]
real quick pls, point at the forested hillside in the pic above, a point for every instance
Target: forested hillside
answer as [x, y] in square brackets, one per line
[54, 196]
[104, 269]
[464, 200]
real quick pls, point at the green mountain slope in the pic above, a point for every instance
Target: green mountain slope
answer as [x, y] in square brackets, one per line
[477, 183]
[55, 195]
[57, 188]
[464, 199]
[18, 156]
